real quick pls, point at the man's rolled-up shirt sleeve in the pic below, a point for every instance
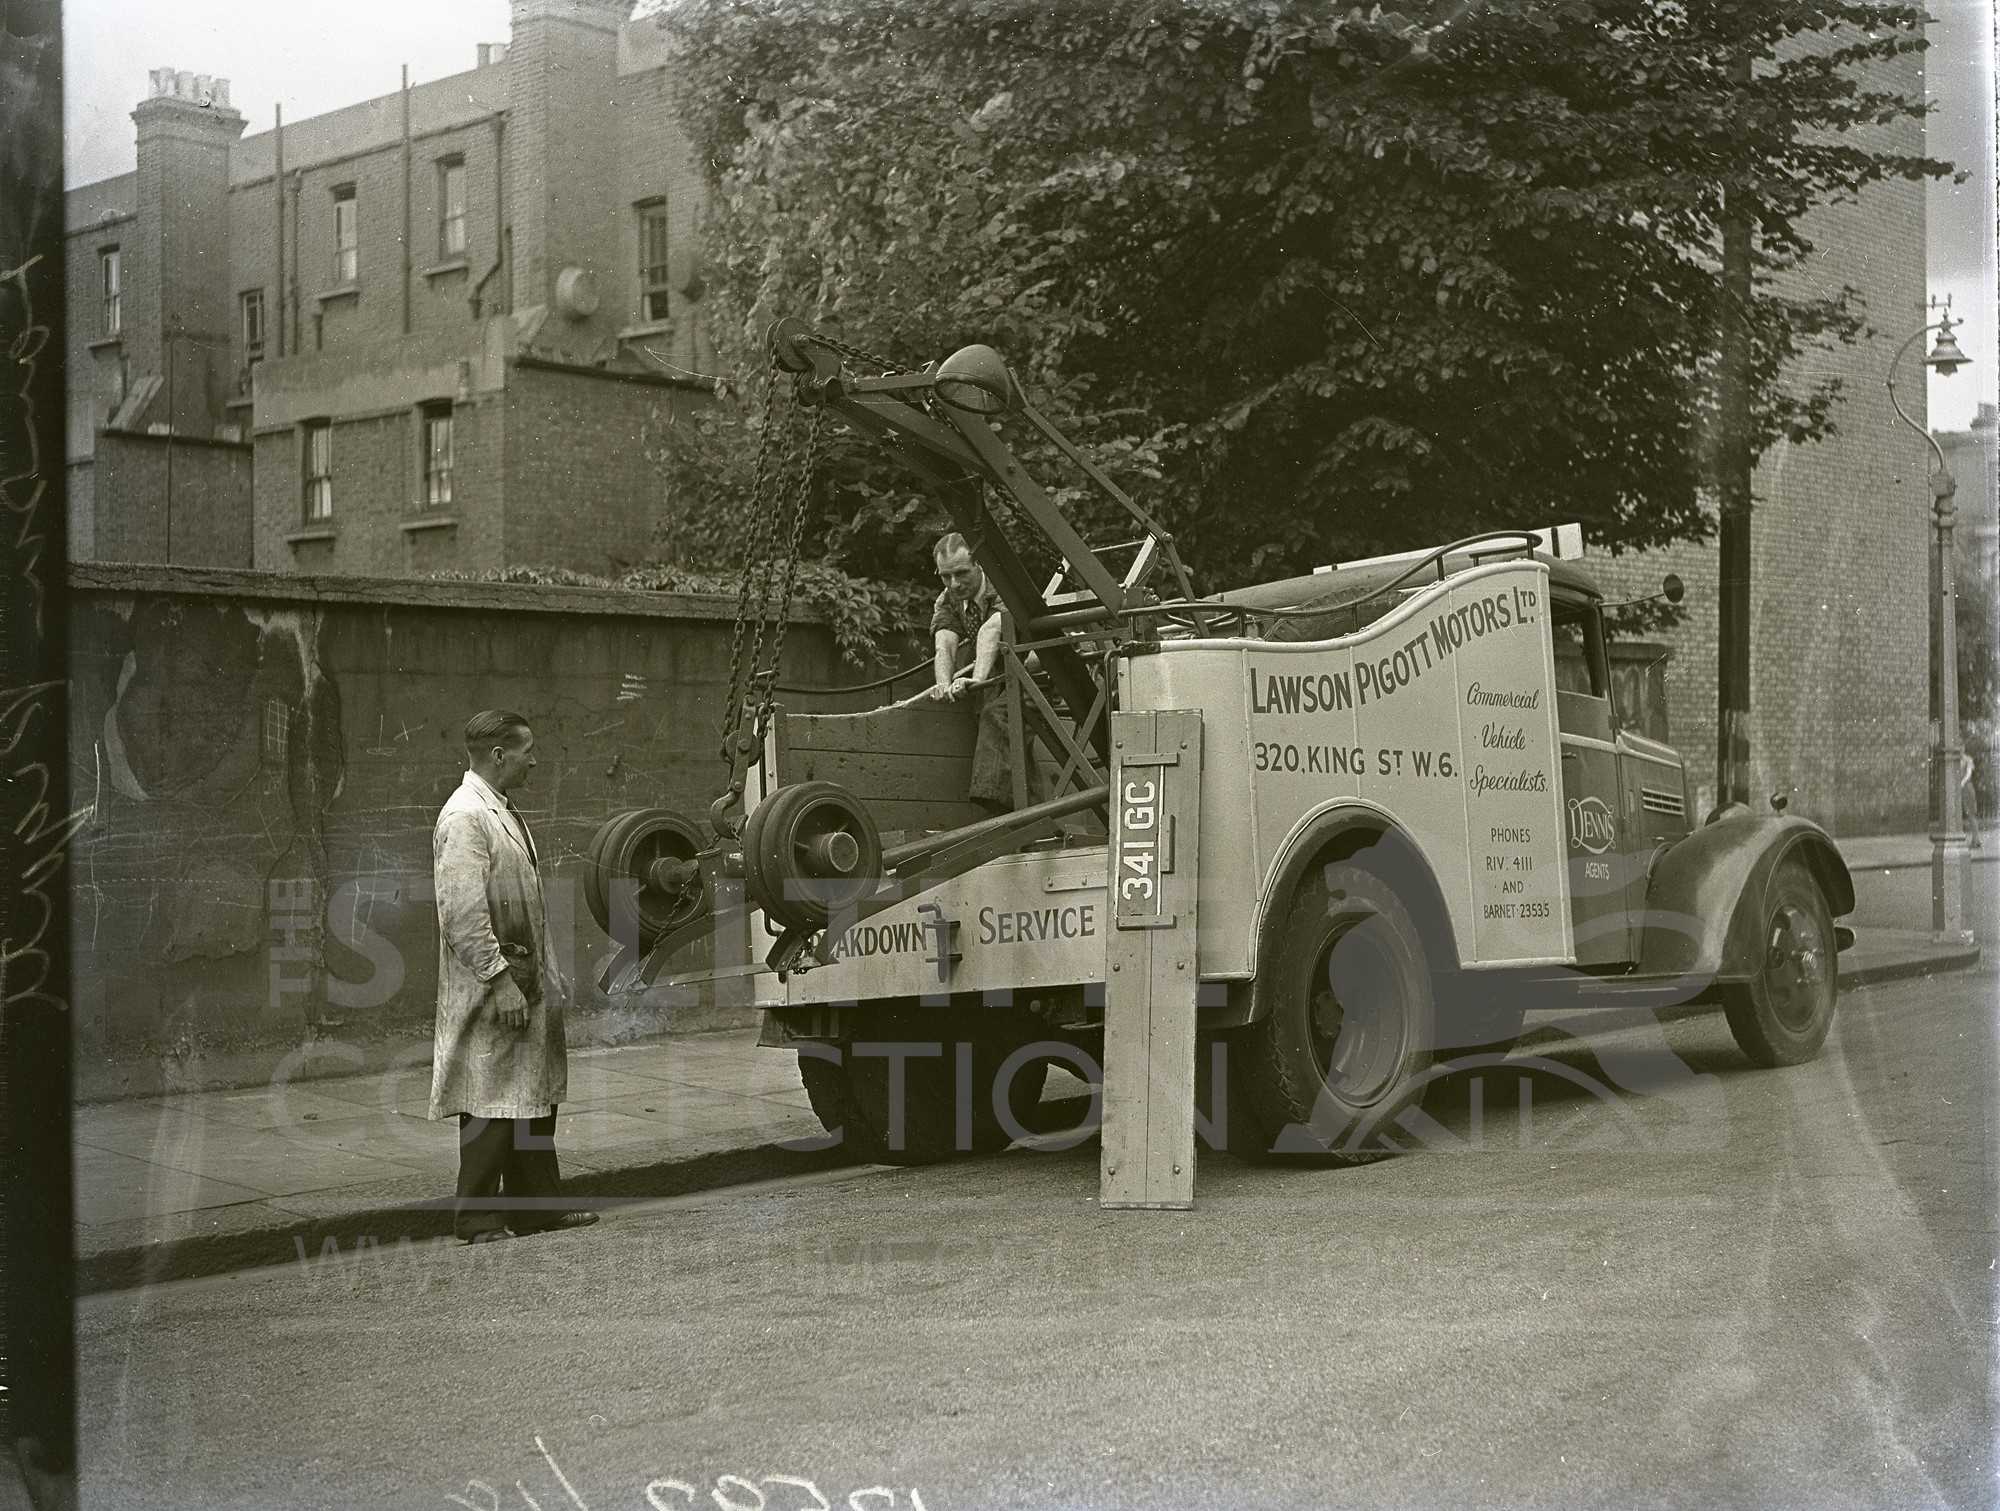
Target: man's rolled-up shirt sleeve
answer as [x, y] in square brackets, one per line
[942, 617]
[461, 859]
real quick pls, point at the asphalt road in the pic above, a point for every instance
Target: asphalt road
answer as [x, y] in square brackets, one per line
[1658, 1277]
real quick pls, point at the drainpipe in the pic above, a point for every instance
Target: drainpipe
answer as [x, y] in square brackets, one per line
[298, 183]
[406, 199]
[278, 201]
[499, 212]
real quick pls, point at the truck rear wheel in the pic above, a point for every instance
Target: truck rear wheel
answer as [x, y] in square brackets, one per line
[1781, 1015]
[1351, 1029]
[856, 1095]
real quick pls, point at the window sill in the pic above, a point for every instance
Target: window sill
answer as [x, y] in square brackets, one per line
[242, 402]
[454, 265]
[309, 535]
[647, 328]
[344, 291]
[430, 522]
[102, 343]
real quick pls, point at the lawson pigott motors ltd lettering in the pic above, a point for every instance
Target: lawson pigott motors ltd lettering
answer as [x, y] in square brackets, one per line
[1374, 678]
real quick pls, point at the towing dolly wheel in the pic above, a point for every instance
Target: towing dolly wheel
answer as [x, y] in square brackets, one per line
[1781, 1015]
[1351, 1031]
[641, 880]
[810, 852]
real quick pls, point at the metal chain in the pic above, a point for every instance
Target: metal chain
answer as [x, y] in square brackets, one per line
[855, 353]
[791, 483]
[751, 595]
[762, 679]
[732, 706]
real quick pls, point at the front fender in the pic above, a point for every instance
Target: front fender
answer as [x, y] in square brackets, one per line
[1705, 895]
[1350, 828]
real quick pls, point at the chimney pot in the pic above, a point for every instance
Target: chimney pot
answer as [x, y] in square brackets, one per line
[184, 84]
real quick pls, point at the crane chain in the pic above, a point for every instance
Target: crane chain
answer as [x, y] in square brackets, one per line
[751, 597]
[849, 350]
[762, 679]
[792, 483]
[732, 713]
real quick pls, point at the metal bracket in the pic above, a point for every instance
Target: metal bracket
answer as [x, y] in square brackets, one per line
[945, 953]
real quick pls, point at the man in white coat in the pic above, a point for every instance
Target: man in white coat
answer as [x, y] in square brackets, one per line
[499, 1064]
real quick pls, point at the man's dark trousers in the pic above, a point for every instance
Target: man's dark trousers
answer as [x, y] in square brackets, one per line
[514, 1158]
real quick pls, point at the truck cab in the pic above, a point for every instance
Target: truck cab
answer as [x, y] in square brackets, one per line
[1624, 795]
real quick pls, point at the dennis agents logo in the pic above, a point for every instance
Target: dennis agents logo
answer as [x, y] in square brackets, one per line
[1590, 824]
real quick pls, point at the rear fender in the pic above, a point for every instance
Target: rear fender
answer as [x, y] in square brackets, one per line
[1338, 833]
[1705, 896]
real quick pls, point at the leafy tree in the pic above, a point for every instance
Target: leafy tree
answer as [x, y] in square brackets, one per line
[1316, 282]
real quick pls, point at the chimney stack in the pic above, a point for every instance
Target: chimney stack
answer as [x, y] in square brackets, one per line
[178, 265]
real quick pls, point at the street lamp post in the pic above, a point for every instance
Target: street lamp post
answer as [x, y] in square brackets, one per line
[1946, 813]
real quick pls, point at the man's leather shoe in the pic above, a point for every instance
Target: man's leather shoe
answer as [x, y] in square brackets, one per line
[573, 1220]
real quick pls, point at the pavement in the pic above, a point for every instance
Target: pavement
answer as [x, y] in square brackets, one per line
[202, 1183]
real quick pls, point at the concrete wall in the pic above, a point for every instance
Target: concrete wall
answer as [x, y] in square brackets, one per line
[184, 500]
[266, 757]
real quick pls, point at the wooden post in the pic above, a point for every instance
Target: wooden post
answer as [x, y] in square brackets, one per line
[1151, 969]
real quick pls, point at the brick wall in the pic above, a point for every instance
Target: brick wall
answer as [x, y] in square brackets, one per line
[1838, 703]
[171, 499]
[91, 359]
[439, 286]
[179, 325]
[584, 469]
[655, 161]
[267, 757]
[562, 61]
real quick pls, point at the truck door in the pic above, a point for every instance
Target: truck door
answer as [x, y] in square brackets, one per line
[1597, 874]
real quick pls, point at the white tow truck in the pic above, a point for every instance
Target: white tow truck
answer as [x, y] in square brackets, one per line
[1330, 831]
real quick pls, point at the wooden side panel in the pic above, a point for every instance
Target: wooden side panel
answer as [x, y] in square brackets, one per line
[932, 729]
[1151, 970]
[911, 766]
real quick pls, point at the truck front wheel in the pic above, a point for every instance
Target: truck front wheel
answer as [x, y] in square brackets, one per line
[1781, 1015]
[1351, 1029]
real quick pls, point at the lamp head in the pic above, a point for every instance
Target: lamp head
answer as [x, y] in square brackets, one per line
[1946, 356]
[975, 379]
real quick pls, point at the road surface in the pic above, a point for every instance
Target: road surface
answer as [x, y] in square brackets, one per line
[1654, 1276]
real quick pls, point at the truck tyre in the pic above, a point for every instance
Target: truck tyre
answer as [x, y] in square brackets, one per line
[1351, 1029]
[1781, 1015]
[825, 1082]
[854, 1096]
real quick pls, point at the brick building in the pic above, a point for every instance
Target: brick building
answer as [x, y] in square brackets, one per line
[443, 328]
[1839, 549]
[1974, 456]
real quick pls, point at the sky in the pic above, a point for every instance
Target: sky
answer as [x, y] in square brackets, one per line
[312, 59]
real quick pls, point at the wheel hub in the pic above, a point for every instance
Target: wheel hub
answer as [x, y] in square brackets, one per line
[1359, 1033]
[1795, 967]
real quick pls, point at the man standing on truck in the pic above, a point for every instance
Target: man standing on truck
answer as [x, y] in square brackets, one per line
[965, 631]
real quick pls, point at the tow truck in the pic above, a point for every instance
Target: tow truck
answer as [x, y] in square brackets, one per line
[1300, 842]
